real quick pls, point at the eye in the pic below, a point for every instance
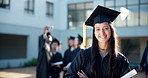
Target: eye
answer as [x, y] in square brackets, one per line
[106, 28]
[97, 29]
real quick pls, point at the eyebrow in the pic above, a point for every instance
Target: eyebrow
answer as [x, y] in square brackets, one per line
[103, 26]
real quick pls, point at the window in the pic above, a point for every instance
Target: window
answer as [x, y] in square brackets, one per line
[144, 15]
[119, 22]
[78, 13]
[133, 2]
[13, 46]
[131, 49]
[137, 15]
[49, 10]
[117, 4]
[133, 19]
[29, 6]
[143, 1]
[120, 2]
[5, 4]
[109, 3]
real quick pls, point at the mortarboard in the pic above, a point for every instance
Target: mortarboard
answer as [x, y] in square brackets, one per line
[80, 38]
[49, 36]
[48, 33]
[55, 40]
[101, 14]
[71, 38]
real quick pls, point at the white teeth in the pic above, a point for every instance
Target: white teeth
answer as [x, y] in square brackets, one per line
[103, 37]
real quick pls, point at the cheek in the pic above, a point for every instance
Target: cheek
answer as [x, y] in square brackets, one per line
[76, 41]
[96, 34]
[71, 43]
[54, 45]
[108, 33]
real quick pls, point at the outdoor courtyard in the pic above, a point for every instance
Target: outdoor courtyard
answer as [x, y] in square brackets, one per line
[30, 72]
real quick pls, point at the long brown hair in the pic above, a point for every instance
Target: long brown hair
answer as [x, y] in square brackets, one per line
[113, 44]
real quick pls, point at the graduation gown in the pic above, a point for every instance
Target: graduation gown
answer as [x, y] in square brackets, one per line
[69, 56]
[55, 71]
[144, 59]
[83, 62]
[43, 61]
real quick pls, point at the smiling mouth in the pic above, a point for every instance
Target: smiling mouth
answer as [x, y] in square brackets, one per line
[103, 37]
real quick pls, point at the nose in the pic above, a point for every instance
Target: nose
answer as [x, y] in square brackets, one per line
[102, 32]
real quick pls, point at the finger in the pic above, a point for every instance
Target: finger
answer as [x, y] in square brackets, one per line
[83, 73]
[80, 74]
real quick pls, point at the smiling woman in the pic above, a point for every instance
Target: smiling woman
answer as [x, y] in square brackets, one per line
[102, 60]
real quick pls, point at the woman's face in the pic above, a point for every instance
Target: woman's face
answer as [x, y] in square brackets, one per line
[76, 41]
[54, 45]
[71, 43]
[102, 31]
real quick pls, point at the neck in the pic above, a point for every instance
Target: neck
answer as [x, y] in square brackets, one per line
[103, 45]
[76, 46]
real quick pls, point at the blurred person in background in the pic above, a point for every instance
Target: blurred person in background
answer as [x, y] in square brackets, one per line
[56, 60]
[44, 55]
[69, 55]
[144, 60]
[78, 41]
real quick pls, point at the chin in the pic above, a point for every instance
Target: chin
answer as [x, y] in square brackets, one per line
[103, 41]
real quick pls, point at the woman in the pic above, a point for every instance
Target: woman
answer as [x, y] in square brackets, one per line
[102, 60]
[69, 55]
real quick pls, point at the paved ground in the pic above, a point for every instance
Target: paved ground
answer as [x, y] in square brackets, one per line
[29, 72]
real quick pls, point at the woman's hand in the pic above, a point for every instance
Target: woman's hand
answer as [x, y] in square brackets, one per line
[82, 74]
[59, 65]
[45, 29]
[65, 68]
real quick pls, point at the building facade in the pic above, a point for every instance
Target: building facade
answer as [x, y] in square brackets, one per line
[22, 22]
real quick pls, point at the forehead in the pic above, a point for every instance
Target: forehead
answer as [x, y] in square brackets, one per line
[54, 42]
[71, 40]
[104, 24]
[76, 38]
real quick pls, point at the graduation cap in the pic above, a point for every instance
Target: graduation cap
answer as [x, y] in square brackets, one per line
[55, 40]
[101, 14]
[80, 38]
[49, 36]
[71, 38]
[48, 33]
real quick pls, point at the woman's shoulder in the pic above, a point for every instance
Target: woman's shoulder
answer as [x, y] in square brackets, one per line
[58, 53]
[86, 52]
[121, 57]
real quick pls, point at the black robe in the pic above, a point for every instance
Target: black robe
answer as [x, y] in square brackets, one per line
[83, 62]
[144, 59]
[54, 70]
[43, 61]
[69, 57]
